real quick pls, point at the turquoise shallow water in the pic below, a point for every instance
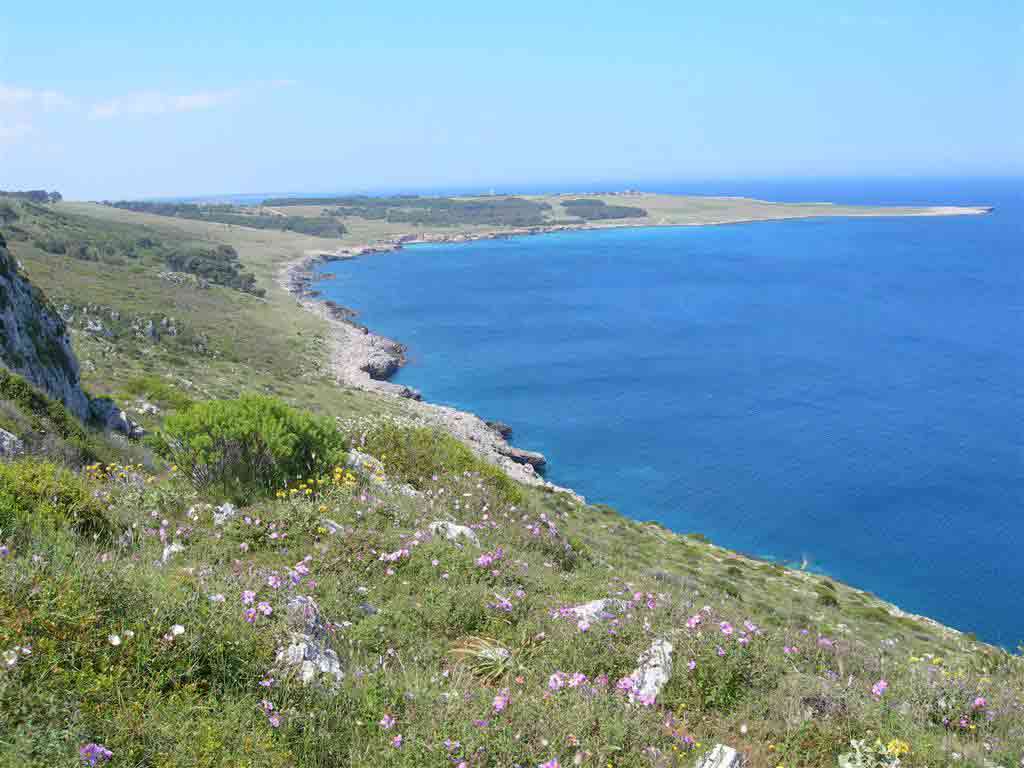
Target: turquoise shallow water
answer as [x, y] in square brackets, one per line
[849, 390]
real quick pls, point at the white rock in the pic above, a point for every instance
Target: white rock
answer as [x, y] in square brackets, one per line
[308, 650]
[654, 671]
[10, 444]
[171, 550]
[453, 531]
[596, 609]
[722, 756]
[224, 513]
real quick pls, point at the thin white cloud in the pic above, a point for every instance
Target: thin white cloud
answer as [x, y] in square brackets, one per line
[12, 96]
[162, 103]
[12, 131]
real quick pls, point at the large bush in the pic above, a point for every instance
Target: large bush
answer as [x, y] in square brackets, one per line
[248, 446]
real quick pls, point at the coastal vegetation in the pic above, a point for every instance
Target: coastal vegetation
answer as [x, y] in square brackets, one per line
[311, 575]
[432, 211]
[232, 214]
[594, 209]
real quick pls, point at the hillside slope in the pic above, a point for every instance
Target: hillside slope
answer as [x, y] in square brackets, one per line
[275, 588]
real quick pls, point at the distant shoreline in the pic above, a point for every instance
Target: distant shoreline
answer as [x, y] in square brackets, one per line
[365, 360]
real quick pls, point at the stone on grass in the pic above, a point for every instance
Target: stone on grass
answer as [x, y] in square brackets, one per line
[599, 609]
[224, 513]
[453, 531]
[654, 671]
[308, 651]
[722, 756]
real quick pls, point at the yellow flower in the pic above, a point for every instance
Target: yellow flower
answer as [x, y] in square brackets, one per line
[897, 747]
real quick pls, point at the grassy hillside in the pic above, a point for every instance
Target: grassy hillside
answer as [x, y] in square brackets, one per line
[142, 618]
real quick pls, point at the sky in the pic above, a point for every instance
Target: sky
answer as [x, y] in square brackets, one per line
[110, 100]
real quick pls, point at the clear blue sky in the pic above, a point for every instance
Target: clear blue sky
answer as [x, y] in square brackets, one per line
[118, 99]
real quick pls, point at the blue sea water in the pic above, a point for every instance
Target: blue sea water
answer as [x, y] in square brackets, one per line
[850, 391]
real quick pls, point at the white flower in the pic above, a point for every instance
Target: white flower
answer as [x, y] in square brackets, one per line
[128, 635]
[177, 629]
[114, 640]
[218, 598]
[10, 658]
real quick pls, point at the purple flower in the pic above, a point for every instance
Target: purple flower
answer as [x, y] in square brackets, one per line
[726, 628]
[93, 753]
[501, 700]
[264, 608]
[397, 742]
[879, 688]
[720, 650]
[248, 597]
[692, 665]
[980, 703]
[552, 763]
[387, 722]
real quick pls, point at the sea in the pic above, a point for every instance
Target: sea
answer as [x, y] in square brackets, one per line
[846, 394]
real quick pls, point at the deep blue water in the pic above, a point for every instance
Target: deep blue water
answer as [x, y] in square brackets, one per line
[846, 390]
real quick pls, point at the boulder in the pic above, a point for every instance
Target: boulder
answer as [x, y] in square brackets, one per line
[10, 445]
[501, 428]
[654, 671]
[308, 651]
[599, 609]
[722, 756]
[454, 531]
[112, 418]
[520, 456]
[224, 513]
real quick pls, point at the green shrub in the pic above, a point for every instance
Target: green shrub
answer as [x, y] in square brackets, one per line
[249, 446]
[39, 496]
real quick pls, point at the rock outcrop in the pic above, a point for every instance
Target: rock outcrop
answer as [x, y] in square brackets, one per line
[308, 651]
[654, 671]
[722, 756]
[10, 445]
[34, 340]
[453, 531]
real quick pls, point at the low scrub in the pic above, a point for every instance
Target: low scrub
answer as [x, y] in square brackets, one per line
[249, 446]
[40, 497]
[418, 455]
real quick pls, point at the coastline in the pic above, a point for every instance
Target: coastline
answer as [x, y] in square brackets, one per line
[364, 360]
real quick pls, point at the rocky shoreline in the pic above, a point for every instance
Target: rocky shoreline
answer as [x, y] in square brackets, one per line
[364, 360]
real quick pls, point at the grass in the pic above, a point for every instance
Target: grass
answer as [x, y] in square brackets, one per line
[108, 635]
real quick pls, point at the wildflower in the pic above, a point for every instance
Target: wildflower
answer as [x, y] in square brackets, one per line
[692, 665]
[720, 650]
[481, 723]
[177, 629]
[897, 748]
[582, 625]
[626, 685]
[577, 679]
[93, 754]
[501, 700]
[387, 722]
[248, 597]
[264, 608]
[694, 621]
[4, 550]
[114, 640]
[267, 682]
[980, 703]
[397, 742]
[218, 598]
[726, 628]
[552, 763]
[556, 681]
[274, 581]
[250, 615]
[879, 688]
[274, 719]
